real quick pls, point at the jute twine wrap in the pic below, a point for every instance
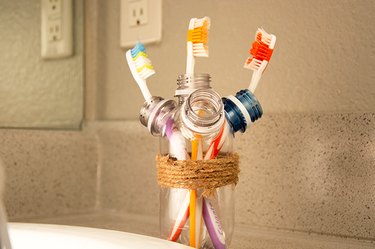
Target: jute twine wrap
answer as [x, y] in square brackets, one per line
[199, 174]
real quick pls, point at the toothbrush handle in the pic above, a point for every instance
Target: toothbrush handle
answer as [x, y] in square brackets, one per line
[190, 60]
[217, 143]
[213, 225]
[181, 219]
[195, 207]
[193, 199]
[257, 74]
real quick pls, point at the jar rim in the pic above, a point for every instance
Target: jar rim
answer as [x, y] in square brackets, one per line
[203, 124]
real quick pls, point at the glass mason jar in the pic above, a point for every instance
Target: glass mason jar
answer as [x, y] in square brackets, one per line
[193, 215]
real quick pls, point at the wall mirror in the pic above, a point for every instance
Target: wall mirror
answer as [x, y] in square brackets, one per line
[35, 92]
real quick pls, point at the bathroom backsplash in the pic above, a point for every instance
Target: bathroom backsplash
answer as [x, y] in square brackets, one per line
[306, 172]
[48, 173]
[312, 173]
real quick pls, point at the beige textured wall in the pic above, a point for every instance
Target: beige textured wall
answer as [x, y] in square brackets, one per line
[307, 165]
[48, 173]
[323, 61]
[36, 92]
[310, 172]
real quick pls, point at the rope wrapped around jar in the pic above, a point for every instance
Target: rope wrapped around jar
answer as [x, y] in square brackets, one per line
[198, 174]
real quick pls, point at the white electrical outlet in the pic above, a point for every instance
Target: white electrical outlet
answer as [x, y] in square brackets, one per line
[57, 28]
[140, 21]
[53, 7]
[54, 32]
[137, 13]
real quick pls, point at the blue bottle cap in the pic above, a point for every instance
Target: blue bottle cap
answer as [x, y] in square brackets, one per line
[242, 109]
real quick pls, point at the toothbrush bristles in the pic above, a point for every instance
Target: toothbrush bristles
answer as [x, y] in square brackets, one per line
[138, 48]
[141, 62]
[199, 37]
[261, 49]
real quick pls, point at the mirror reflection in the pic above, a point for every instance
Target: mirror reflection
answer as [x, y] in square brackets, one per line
[36, 92]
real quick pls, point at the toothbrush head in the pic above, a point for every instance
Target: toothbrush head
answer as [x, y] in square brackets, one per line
[140, 67]
[261, 49]
[261, 52]
[141, 62]
[198, 35]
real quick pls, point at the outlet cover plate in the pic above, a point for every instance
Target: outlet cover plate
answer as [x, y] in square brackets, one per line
[146, 32]
[56, 28]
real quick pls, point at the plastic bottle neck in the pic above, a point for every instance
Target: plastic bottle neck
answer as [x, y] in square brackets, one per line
[186, 84]
[202, 112]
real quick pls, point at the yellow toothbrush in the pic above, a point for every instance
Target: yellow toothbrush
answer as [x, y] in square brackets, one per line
[195, 207]
[197, 41]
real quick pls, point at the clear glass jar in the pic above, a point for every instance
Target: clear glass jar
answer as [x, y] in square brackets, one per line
[190, 135]
[174, 212]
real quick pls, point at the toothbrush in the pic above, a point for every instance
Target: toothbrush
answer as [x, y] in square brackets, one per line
[210, 216]
[177, 143]
[181, 219]
[196, 47]
[140, 67]
[197, 41]
[243, 102]
[217, 143]
[214, 228]
[195, 206]
[177, 149]
[261, 51]
[197, 147]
